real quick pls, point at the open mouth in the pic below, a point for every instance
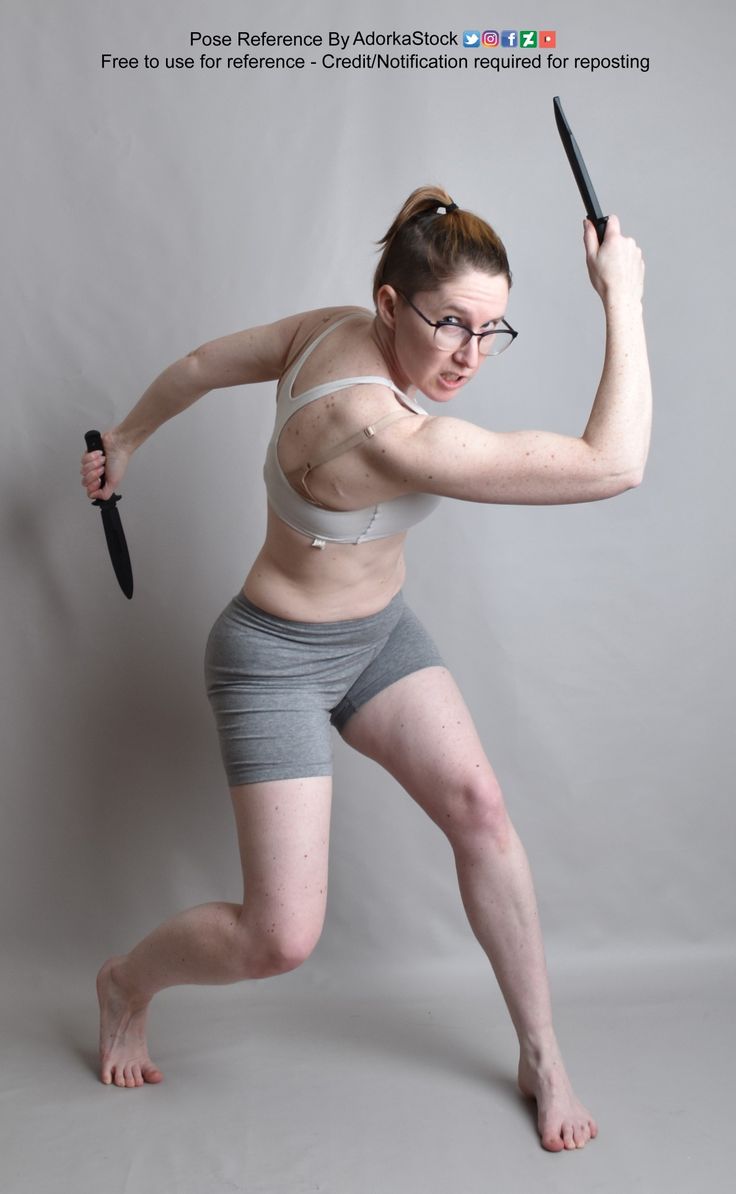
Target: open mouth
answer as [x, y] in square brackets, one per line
[453, 379]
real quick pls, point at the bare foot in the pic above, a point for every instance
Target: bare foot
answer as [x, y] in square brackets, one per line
[124, 1058]
[562, 1119]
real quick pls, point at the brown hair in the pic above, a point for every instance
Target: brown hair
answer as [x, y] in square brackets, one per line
[424, 247]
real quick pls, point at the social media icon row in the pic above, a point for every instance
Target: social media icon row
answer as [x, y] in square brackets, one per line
[510, 39]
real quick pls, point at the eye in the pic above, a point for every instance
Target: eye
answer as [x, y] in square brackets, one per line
[452, 320]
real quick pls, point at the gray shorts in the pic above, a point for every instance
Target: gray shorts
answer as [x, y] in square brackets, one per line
[276, 686]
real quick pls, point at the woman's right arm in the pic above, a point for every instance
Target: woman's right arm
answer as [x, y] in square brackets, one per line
[256, 354]
[458, 459]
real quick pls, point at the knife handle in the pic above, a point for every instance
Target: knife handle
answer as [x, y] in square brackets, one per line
[600, 227]
[93, 439]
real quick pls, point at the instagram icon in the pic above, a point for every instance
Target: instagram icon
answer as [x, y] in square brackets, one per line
[490, 37]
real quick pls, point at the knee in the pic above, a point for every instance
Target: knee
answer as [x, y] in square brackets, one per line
[476, 812]
[277, 950]
[289, 952]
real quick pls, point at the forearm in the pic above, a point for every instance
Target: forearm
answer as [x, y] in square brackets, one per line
[178, 387]
[619, 427]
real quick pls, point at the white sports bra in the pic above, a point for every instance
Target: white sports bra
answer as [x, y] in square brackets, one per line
[337, 526]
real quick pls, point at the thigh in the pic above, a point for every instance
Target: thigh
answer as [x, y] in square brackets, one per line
[421, 731]
[283, 833]
[264, 690]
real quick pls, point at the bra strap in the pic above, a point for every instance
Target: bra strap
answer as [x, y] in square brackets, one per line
[307, 352]
[353, 442]
[364, 433]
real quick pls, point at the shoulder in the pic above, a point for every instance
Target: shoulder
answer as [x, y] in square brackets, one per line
[261, 353]
[310, 324]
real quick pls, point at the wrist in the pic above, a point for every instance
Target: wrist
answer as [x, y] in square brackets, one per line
[125, 438]
[622, 308]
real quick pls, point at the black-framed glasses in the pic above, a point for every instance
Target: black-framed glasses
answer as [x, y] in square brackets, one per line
[449, 337]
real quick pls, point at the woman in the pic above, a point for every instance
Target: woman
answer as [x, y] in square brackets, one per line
[320, 633]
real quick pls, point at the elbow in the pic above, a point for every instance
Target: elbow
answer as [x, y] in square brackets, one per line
[194, 359]
[636, 474]
[622, 482]
[614, 474]
[636, 478]
[613, 482]
[193, 371]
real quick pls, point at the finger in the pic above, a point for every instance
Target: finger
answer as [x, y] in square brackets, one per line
[92, 480]
[590, 238]
[613, 228]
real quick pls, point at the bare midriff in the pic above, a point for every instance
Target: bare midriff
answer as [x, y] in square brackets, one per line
[294, 580]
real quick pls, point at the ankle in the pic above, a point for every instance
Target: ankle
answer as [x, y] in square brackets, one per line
[540, 1048]
[120, 973]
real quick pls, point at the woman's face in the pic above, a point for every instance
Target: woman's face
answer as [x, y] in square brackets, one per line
[473, 298]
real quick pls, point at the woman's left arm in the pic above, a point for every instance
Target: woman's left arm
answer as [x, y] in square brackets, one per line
[256, 354]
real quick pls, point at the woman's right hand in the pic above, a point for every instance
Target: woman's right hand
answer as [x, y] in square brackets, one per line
[113, 461]
[615, 267]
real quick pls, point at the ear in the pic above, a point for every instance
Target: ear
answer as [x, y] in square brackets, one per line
[386, 302]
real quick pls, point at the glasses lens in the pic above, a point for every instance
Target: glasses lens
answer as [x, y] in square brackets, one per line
[449, 337]
[494, 343]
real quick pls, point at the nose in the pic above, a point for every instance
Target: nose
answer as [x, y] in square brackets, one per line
[468, 357]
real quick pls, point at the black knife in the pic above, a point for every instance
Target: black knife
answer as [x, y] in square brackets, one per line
[113, 527]
[582, 178]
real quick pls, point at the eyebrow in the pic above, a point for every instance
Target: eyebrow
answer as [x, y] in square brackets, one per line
[462, 312]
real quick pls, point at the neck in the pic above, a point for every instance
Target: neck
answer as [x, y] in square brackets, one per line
[383, 338]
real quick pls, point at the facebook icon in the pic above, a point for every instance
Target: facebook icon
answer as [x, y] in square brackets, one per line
[509, 39]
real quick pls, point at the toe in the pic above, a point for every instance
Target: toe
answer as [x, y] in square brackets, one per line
[552, 1141]
[138, 1077]
[129, 1076]
[119, 1077]
[580, 1135]
[567, 1135]
[152, 1074]
[593, 1129]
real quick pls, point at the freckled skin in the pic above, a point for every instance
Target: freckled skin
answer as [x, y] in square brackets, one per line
[474, 298]
[214, 942]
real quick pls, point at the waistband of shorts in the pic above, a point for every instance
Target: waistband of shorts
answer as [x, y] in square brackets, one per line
[353, 628]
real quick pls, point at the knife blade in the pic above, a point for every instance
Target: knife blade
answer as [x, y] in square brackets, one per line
[113, 527]
[582, 178]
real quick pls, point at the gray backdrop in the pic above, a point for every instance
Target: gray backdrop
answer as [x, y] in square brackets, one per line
[147, 211]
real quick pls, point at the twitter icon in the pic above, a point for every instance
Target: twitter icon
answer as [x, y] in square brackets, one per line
[471, 39]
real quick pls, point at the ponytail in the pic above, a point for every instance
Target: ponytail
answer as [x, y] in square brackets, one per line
[431, 240]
